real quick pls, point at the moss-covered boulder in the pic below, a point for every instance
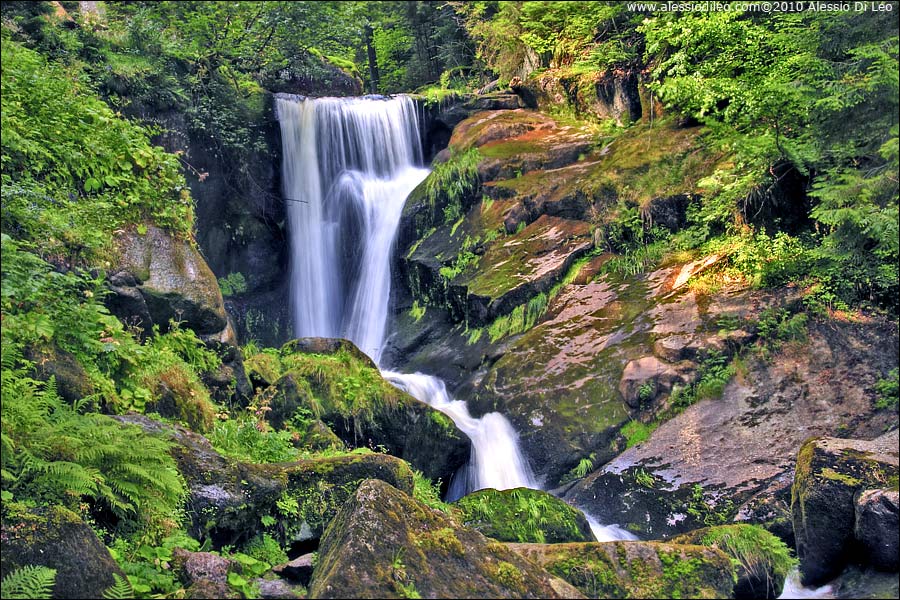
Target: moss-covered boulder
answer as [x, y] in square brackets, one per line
[523, 515]
[830, 473]
[72, 381]
[761, 560]
[385, 544]
[636, 569]
[338, 384]
[229, 500]
[174, 282]
[57, 538]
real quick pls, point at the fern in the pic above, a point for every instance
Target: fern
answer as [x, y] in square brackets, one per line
[30, 581]
[120, 589]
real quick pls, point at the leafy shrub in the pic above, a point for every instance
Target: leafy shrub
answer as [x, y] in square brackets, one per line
[265, 548]
[73, 171]
[233, 284]
[246, 439]
[428, 492]
[52, 453]
[888, 390]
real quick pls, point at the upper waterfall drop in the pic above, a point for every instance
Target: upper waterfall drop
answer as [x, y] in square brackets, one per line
[348, 166]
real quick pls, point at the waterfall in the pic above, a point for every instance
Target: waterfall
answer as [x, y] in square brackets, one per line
[348, 166]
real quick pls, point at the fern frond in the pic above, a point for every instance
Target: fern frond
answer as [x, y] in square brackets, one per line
[119, 590]
[30, 581]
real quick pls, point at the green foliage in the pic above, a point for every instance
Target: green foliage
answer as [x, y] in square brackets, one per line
[752, 548]
[581, 470]
[428, 492]
[245, 438]
[28, 582]
[417, 311]
[708, 510]
[266, 549]
[888, 390]
[520, 515]
[644, 479]
[713, 374]
[55, 454]
[233, 284]
[453, 183]
[147, 564]
[121, 589]
[72, 170]
[776, 326]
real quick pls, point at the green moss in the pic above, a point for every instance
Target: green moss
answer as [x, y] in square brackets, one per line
[509, 576]
[443, 539]
[636, 432]
[523, 515]
[833, 475]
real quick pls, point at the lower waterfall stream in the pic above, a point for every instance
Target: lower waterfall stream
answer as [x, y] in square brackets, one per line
[348, 166]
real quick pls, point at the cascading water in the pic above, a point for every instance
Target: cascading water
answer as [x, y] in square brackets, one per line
[496, 460]
[349, 165]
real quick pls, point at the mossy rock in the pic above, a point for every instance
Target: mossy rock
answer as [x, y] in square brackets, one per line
[179, 394]
[174, 281]
[523, 515]
[636, 569]
[762, 561]
[228, 499]
[57, 538]
[385, 544]
[340, 385]
[72, 381]
[830, 473]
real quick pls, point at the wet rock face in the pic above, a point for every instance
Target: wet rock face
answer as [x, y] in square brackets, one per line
[239, 213]
[515, 320]
[614, 95]
[831, 477]
[383, 543]
[57, 538]
[636, 569]
[733, 457]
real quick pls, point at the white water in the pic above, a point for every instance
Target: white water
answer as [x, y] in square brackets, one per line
[496, 461]
[794, 589]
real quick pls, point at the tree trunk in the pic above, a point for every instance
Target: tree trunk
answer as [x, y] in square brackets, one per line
[373, 62]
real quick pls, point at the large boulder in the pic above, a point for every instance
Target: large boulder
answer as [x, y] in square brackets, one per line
[523, 515]
[57, 538]
[732, 458]
[831, 473]
[762, 561]
[228, 499]
[636, 569]
[385, 544]
[340, 385]
[876, 527]
[174, 282]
